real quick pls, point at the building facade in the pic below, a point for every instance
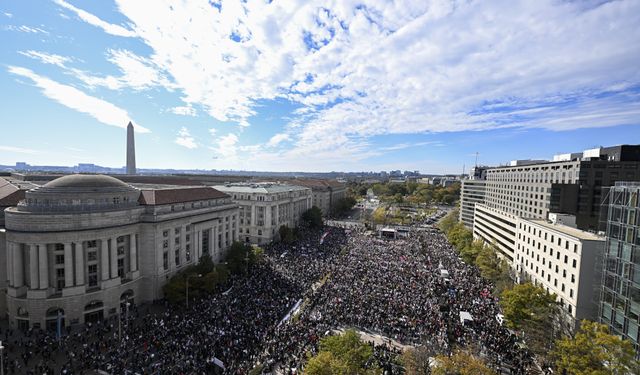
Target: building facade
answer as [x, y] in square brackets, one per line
[497, 227]
[265, 207]
[325, 193]
[83, 246]
[471, 192]
[563, 260]
[620, 299]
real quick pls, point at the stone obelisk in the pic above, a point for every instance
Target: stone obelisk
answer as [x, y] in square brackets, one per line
[131, 150]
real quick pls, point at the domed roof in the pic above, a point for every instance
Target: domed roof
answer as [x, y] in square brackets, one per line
[85, 181]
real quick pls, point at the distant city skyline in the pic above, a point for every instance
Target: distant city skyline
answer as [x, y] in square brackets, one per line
[316, 87]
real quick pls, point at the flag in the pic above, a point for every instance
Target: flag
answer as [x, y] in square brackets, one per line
[323, 237]
[218, 363]
[59, 325]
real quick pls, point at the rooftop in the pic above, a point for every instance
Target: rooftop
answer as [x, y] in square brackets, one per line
[179, 195]
[569, 231]
[260, 187]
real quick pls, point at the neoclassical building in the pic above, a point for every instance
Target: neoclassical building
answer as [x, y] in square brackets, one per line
[82, 246]
[265, 206]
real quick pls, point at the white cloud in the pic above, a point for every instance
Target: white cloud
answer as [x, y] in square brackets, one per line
[185, 139]
[184, 111]
[277, 139]
[95, 21]
[47, 58]
[69, 96]
[367, 68]
[213, 132]
[18, 150]
[7, 14]
[26, 29]
[227, 147]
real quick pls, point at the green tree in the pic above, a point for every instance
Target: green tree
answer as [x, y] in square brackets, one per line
[204, 266]
[343, 354]
[527, 302]
[461, 363]
[459, 236]
[494, 268]
[594, 351]
[237, 258]
[449, 221]
[312, 217]
[470, 252]
[286, 234]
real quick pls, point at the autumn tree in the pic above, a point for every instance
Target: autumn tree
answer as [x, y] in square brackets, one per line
[342, 354]
[594, 351]
[531, 309]
[461, 363]
[416, 361]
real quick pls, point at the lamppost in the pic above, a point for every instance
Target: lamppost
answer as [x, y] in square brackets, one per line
[1, 359]
[187, 287]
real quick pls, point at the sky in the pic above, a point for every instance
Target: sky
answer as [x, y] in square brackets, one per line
[321, 86]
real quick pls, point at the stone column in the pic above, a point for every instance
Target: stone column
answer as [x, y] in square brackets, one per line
[133, 252]
[172, 249]
[9, 265]
[183, 244]
[44, 266]
[68, 266]
[17, 258]
[104, 258]
[114, 258]
[33, 266]
[79, 264]
[214, 243]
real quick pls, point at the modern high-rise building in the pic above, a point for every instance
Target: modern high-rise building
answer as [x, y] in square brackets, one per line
[620, 299]
[131, 150]
[471, 192]
[533, 190]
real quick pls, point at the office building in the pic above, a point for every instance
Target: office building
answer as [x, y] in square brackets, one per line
[265, 207]
[83, 246]
[620, 299]
[326, 193]
[471, 192]
[563, 260]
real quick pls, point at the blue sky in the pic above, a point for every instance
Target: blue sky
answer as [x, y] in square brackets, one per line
[316, 85]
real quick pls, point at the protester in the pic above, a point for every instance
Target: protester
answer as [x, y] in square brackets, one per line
[336, 278]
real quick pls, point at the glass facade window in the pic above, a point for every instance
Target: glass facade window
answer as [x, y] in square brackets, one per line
[620, 297]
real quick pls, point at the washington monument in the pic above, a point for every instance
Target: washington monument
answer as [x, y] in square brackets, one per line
[131, 150]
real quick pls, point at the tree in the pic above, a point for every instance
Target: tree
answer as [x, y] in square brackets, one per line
[286, 234]
[594, 351]
[204, 266]
[461, 363]
[416, 361]
[459, 236]
[313, 217]
[527, 302]
[470, 252]
[380, 215]
[343, 354]
[237, 258]
[448, 221]
[493, 268]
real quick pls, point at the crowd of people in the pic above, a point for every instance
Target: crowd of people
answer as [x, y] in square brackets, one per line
[325, 280]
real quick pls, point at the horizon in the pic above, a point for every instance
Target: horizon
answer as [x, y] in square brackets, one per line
[265, 87]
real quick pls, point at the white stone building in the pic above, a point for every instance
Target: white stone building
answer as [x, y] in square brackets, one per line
[563, 260]
[325, 193]
[264, 207]
[85, 245]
